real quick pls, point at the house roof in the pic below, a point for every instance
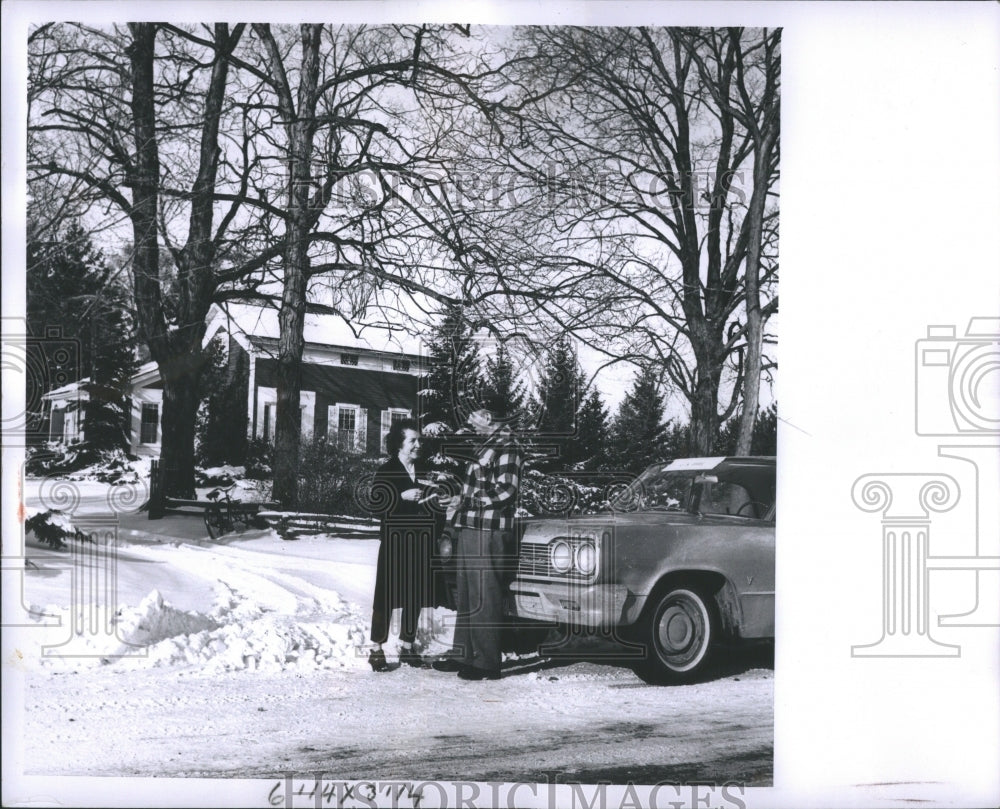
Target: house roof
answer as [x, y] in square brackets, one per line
[246, 322]
[68, 391]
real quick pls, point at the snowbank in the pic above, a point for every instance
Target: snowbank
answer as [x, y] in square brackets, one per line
[254, 603]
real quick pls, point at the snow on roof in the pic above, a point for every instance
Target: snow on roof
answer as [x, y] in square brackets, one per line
[251, 321]
[69, 389]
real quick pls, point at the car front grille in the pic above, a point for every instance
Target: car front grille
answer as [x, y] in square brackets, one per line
[534, 563]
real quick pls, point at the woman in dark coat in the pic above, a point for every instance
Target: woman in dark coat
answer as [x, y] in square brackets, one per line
[403, 574]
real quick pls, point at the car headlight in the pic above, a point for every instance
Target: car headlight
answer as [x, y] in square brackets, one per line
[586, 558]
[561, 556]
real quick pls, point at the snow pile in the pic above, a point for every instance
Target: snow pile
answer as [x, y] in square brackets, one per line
[155, 634]
[160, 596]
[155, 621]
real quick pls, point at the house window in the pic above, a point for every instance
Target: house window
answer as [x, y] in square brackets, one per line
[149, 424]
[401, 365]
[347, 424]
[267, 412]
[348, 359]
[57, 425]
[388, 417]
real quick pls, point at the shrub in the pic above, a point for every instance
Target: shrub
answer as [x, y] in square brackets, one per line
[259, 459]
[52, 527]
[554, 495]
[81, 461]
[330, 477]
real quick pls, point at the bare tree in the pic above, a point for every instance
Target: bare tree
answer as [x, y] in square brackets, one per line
[134, 116]
[363, 224]
[642, 176]
[751, 92]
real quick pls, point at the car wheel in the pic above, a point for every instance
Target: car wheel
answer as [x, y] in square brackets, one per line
[678, 633]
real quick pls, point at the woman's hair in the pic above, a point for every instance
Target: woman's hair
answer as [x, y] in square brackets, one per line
[394, 440]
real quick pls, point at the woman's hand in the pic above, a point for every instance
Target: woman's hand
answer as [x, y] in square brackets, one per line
[412, 495]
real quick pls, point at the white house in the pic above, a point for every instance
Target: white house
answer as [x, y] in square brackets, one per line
[355, 382]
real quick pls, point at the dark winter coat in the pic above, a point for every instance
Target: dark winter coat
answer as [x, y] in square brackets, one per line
[403, 574]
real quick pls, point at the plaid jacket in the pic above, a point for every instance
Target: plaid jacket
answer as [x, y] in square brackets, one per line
[489, 495]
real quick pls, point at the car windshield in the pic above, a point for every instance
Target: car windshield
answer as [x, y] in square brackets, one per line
[694, 492]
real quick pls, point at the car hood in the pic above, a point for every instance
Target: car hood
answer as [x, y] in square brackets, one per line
[621, 518]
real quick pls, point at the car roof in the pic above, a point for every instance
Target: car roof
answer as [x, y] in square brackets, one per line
[710, 464]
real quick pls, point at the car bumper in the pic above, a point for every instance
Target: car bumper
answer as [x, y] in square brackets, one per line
[597, 605]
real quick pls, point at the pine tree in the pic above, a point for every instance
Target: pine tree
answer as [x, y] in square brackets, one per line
[502, 391]
[221, 428]
[72, 288]
[557, 404]
[765, 433]
[640, 435]
[451, 389]
[593, 434]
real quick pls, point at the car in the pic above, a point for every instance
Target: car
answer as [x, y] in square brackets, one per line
[681, 563]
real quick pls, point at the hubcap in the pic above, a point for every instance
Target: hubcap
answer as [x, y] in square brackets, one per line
[676, 629]
[682, 632]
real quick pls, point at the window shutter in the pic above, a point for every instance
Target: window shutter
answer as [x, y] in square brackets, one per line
[386, 416]
[362, 428]
[332, 422]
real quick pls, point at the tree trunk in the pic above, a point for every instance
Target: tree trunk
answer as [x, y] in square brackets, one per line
[291, 317]
[705, 414]
[288, 418]
[763, 156]
[180, 376]
[755, 323]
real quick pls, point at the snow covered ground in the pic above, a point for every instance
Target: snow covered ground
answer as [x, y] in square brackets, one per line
[162, 653]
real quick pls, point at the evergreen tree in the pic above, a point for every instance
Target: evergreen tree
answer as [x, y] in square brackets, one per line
[640, 436]
[556, 407]
[221, 428]
[451, 389]
[765, 433]
[75, 300]
[679, 443]
[593, 434]
[502, 392]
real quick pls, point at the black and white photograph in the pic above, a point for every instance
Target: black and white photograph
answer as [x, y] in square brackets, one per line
[397, 410]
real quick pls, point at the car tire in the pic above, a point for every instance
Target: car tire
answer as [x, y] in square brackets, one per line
[678, 632]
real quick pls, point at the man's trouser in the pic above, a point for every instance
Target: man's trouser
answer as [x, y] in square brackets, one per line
[483, 562]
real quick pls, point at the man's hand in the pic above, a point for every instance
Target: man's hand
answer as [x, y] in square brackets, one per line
[413, 495]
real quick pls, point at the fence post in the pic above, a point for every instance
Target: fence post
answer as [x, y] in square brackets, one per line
[155, 491]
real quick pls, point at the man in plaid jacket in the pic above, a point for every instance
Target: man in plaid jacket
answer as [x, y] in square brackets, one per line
[486, 549]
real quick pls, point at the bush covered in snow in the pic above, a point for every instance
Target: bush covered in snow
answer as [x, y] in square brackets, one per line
[259, 459]
[52, 527]
[225, 475]
[554, 495]
[84, 462]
